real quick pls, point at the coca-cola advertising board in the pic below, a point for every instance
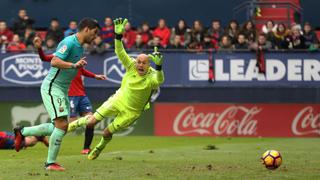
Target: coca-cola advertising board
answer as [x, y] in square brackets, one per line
[253, 120]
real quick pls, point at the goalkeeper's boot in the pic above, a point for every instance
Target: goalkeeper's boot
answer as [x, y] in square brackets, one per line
[53, 167]
[94, 154]
[43, 139]
[18, 139]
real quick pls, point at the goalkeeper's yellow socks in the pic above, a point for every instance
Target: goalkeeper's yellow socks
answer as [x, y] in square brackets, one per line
[103, 142]
[97, 150]
[44, 129]
[54, 144]
[83, 121]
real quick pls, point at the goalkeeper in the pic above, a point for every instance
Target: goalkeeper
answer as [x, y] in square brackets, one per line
[127, 104]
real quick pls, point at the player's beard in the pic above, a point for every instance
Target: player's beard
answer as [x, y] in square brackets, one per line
[89, 39]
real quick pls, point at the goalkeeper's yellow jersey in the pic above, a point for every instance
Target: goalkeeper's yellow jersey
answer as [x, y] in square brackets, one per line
[135, 90]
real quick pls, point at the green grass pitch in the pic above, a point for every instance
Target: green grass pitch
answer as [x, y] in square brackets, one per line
[148, 157]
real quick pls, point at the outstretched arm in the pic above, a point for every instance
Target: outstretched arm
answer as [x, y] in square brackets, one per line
[157, 58]
[119, 24]
[44, 57]
[37, 44]
[158, 79]
[90, 74]
[87, 73]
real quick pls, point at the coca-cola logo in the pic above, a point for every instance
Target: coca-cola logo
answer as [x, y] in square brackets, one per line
[234, 120]
[306, 122]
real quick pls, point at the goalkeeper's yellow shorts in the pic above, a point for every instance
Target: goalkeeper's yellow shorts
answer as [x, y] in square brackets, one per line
[113, 108]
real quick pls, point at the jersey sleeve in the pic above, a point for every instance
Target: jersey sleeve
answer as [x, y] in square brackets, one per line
[157, 78]
[44, 57]
[87, 73]
[122, 55]
[63, 50]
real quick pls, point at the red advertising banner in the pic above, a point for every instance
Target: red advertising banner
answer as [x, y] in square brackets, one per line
[253, 120]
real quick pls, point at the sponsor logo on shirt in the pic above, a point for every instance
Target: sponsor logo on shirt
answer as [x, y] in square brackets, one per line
[63, 49]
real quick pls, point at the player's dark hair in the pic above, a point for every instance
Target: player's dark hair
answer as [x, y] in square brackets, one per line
[88, 22]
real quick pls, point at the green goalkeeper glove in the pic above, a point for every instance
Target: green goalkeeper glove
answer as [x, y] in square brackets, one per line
[156, 57]
[119, 25]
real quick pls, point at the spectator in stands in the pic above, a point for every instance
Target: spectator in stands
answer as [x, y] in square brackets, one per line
[225, 43]
[129, 36]
[20, 24]
[97, 46]
[207, 43]
[279, 37]
[72, 28]
[249, 30]
[163, 32]
[50, 45]
[16, 45]
[107, 33]
[182, 30]
[232, 31]
[176, 44]
[296, 40]
[55, 32]
[268, 29]
[311, 40]
[5, 33]
[145, 33]
[197, 36]
[3, 45]
[29, 35]
[262, 43]
[155, 42]
[241, 42]
[139, 44]
[216, 32]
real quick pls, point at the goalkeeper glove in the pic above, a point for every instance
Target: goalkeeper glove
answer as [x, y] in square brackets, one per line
[156, 57]
[119, 25]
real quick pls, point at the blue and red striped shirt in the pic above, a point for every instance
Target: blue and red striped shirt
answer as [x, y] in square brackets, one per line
[107, 34]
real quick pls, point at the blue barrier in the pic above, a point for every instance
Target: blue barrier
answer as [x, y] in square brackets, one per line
[182, 69]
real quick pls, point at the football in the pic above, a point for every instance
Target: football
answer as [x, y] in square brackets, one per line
[271, 159]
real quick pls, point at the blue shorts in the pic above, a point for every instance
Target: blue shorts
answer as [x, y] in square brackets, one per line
[6, 140]
[79, 105]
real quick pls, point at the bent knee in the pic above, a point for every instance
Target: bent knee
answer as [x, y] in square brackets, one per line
[91, 120]
[61, 123]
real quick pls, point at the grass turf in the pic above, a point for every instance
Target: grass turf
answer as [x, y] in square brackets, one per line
[147, 157]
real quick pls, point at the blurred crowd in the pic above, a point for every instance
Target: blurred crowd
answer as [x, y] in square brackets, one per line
[182, 36]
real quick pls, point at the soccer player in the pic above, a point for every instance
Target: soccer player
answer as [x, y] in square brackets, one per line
[79, 102]
[7, 140]
[54, 90]
[127, 104]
